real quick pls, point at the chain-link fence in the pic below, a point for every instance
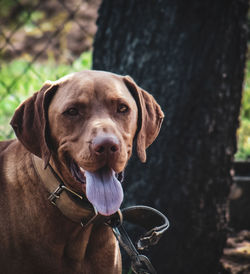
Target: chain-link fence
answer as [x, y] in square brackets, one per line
[40, 40]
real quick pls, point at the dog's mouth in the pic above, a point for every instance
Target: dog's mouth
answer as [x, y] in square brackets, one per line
[77, 172]
[102, 187]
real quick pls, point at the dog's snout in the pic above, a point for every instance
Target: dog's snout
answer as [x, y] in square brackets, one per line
[108, 144]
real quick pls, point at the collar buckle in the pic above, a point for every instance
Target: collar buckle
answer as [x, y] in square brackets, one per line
[57, 192]
[55, 195]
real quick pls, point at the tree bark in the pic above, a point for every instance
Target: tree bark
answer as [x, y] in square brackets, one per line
[190, 55]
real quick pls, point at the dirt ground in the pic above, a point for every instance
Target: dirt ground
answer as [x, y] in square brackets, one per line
[236, 258]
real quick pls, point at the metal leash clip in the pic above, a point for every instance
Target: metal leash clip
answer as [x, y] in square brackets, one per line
[140, 264]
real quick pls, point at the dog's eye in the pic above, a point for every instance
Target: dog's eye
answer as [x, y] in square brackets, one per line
[122, 108]
[72, 112]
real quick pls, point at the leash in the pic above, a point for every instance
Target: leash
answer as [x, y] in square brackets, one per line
[85, 213]
[142, 216]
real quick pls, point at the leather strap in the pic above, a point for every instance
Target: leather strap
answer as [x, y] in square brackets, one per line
[150, 219]
[72, 205]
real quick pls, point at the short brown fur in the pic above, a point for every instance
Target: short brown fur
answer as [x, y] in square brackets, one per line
[35, 236]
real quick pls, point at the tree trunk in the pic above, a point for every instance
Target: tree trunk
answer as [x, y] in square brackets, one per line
[190, 55]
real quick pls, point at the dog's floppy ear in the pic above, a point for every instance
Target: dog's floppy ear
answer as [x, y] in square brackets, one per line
[150, 117]
[30, 122]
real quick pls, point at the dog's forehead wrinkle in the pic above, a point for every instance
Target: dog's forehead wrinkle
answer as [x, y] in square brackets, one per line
[113, 89]
[75, 91]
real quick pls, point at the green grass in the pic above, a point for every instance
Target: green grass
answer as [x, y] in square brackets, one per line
[19, 79]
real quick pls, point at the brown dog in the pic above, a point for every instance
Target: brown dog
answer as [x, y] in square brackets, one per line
[82, 125]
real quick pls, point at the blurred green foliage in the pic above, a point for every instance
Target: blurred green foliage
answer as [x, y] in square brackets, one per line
[21, 79]
[6, 7]
[243, 133]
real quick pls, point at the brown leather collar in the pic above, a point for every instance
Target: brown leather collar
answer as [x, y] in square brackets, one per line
[74, 206]
[140, 215]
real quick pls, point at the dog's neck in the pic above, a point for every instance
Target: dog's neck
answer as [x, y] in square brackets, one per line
[99, 236]
[76, 211]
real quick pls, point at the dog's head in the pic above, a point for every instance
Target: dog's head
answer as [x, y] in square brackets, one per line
[85, 124]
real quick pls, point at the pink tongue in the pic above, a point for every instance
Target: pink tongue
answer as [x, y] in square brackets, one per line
[104, 191]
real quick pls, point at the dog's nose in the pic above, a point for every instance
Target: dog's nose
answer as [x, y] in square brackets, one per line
[105, 144]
